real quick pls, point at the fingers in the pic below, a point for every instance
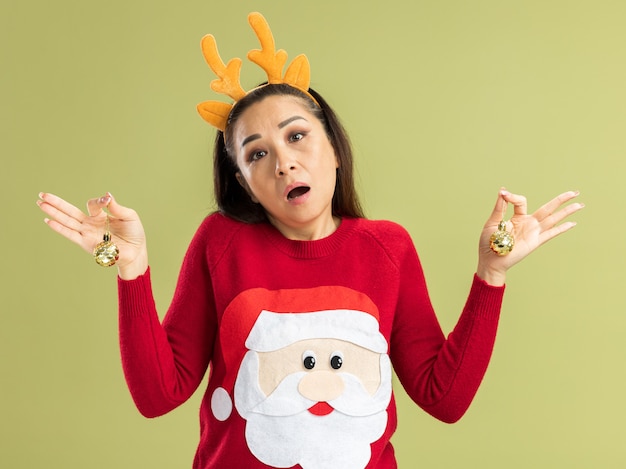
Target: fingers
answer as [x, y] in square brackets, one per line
[547, 235]
[73, 235]
[499, 209]
[60, 211]
[549, 208]
[549, 216]
[71, 222]
[504, 198]
[115, 211]
[52, 203]
[65, 219]
[520, 205]
[550, 222]
[119, 211]
[95, 206]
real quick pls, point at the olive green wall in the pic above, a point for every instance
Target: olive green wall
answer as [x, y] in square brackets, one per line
[445, 101]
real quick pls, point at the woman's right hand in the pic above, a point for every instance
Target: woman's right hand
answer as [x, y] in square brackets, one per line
[87, 230]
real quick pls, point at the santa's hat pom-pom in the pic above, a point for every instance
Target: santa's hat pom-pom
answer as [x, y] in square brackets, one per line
[221, 404]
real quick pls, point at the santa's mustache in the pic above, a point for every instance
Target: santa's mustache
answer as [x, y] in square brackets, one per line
[286, 400]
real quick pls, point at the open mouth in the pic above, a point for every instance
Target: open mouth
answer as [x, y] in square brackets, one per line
[297, 192]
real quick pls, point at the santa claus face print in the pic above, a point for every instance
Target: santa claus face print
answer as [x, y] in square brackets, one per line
[312, 381]
[317, 419]
[287, 164]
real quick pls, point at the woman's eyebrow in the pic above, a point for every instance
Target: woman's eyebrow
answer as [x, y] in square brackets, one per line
[282, 124]
[249, 139]
[289, 121]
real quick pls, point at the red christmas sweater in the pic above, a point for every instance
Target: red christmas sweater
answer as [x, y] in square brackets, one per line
[300, 338]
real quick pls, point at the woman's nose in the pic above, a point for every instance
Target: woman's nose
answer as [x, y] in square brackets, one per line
[285, 162]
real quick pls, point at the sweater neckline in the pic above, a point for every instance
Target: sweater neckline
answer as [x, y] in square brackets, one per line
[311, 249]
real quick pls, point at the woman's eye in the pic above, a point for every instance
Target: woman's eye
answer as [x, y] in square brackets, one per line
[257, 155]
[295, 137]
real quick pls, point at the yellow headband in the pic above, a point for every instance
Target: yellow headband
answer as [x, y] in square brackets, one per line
[298, 74]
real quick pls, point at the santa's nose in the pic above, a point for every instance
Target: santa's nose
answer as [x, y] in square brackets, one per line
[321, 386]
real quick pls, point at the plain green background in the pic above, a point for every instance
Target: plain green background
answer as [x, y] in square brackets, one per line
[445, 101]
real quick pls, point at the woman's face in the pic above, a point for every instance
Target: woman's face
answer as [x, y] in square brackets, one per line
[287, 164]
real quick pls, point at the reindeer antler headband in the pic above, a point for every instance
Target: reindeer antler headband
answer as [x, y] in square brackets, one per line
[298, 73]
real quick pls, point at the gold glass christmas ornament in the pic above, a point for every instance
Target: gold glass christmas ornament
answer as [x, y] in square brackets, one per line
[106, 252]
[501, 241]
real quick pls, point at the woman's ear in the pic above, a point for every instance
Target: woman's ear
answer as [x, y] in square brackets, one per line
[242, 182]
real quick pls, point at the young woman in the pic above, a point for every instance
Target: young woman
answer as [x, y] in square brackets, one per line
[297, 304]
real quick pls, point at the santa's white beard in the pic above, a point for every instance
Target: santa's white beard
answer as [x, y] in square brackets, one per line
[281, 432]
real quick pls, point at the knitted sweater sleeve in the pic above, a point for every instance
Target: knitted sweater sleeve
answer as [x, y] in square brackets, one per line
[441, 374]
[164, 362]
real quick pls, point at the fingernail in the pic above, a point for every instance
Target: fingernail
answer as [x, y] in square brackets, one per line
[41, 195]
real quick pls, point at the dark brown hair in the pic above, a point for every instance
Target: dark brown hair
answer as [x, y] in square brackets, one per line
[234, 201]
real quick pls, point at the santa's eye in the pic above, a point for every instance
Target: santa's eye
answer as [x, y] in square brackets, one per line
[336, 360]
[308, 360]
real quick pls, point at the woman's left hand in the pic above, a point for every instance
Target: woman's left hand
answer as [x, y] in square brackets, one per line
[529, 231]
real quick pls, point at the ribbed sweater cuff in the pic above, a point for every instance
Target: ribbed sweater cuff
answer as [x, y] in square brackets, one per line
[485, 300]
[135, 296]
